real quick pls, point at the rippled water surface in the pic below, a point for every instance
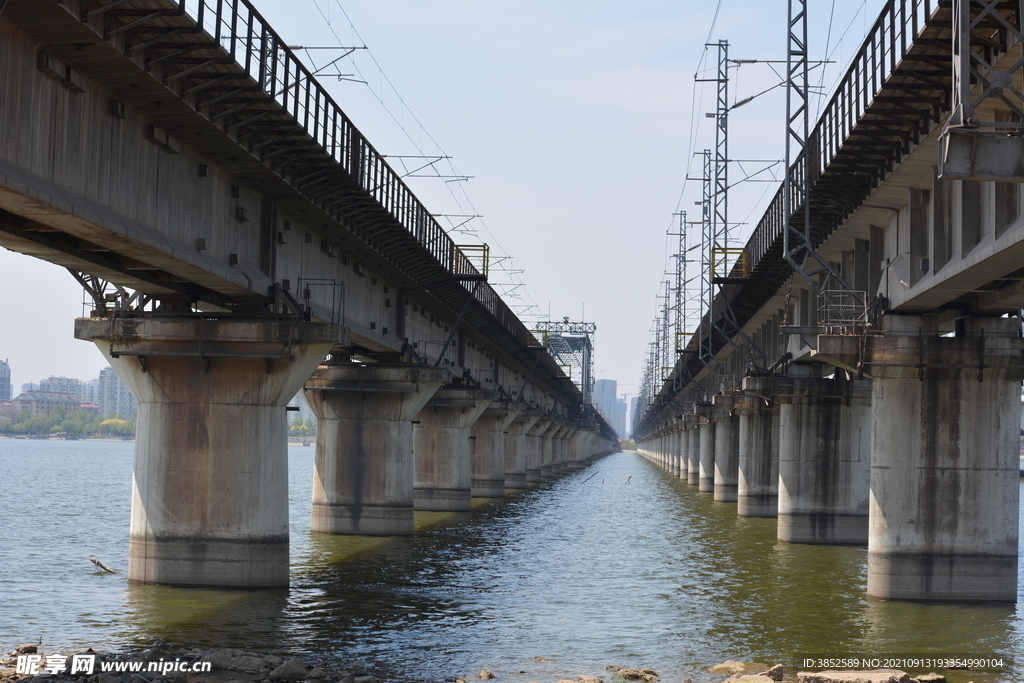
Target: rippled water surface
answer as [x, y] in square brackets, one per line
[616, 564]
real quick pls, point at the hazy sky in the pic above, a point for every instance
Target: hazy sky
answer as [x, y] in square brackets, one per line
[576, 120]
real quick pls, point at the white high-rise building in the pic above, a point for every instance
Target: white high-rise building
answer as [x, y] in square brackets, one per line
[62, 385]
[6, 389]
[113, 396]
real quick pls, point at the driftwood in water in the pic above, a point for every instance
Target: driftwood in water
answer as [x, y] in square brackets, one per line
[101, 565]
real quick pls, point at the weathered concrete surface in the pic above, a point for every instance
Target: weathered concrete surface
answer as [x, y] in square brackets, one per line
[363, 476]
[692, 450]
[210, 483]
[824, 457]
[441, 448]
[706, 427]
[515, 448]
[727, 448]
[487, 437]
[534, 449]
[944, 475]
[757, 493]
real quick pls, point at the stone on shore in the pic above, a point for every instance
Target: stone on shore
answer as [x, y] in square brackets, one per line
[647, 675]
[732, 667]
[543, 659]
[774, 673]
[485, 675]
[612, 667]
[749, 678]
[873, 676]
[588, 679]
[292, 670]
[930, 678]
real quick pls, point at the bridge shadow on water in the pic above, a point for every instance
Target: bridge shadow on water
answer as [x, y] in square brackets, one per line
[616, 564]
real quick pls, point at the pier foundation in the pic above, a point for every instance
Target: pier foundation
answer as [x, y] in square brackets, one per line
[515, 448]
[824, 456]
[944, 471]
[363, 473]
[487, 446]
[757, 493]
[441, 448]
[727, 447]
[210, 481]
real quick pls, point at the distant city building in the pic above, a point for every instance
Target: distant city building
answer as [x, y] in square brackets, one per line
[62, 385]
[633, 407]
[304, 411]
[605, 398]
[619, 418]
[113, 397]
[44, 402]
[29, 386]
[89, 391]
[6, 388]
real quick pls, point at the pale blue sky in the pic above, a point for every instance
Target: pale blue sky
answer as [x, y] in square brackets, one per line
[575, 119]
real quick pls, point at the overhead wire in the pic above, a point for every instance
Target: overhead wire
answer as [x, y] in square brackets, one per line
[399, 119]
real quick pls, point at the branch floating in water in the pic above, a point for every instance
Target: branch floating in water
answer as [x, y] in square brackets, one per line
[101, 565]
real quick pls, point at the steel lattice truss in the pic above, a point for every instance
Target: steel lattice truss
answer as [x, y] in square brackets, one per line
[571, 344]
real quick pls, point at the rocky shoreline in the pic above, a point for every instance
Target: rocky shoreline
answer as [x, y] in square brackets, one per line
[162, 664]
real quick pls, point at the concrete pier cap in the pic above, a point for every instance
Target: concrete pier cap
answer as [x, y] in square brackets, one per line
[487, 438]
[944, 474]
[441, 448]
[824, 454]
[363, 474]
[210, 480]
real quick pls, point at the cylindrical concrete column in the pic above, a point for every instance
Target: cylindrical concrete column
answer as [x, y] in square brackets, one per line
[210, 482]
[363, 472]
[515, 449]
[684, 450]
[558, 453]
[441, 449]
[727, 447]
[548, 448]
[534, 449]
[706, 428]
[487, 444]
[757, 492]
[692, 449]
[944, 472]
[824, 457]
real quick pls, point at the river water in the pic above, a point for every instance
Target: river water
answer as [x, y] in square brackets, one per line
[616, 564]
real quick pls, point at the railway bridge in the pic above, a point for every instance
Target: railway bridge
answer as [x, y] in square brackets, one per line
[242, 241]
[864, 386]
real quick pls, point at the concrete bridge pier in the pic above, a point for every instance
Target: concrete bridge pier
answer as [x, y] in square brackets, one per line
[824, 456]
[444, 470]
[727, 447]
[577, 450]
[692, 449]
[487, 446]
[534, 449]
[548, 447]
[558, 450]
[515, 448]
[210, 480]
[683, 436]
[706, 429]
[944, 471]
[757, 493]
[363, 472]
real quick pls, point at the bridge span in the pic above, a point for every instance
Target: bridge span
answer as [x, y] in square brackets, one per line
[242, 241]
[893, 422]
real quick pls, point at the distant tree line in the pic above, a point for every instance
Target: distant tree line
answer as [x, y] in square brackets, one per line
[301, 429]
[79, 423]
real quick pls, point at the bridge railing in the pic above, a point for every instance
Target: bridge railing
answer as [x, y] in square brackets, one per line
[238, 28]
[893, 33]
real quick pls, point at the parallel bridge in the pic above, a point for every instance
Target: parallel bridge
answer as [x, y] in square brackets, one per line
[899, 427]
[241, 239]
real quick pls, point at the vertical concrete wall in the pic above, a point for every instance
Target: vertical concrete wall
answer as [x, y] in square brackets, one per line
[757, 492]
[441, 449]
